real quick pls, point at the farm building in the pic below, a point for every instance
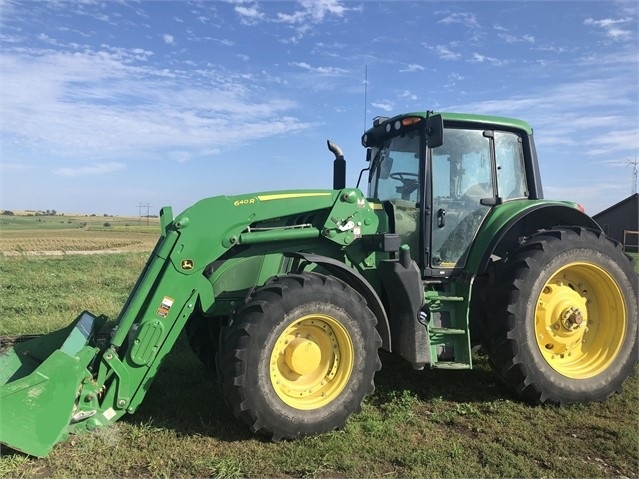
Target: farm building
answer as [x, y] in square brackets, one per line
[619, 221]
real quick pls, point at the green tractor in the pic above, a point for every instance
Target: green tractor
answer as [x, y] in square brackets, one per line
[288, 296]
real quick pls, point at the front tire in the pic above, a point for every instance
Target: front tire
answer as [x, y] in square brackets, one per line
[561, 322]
[299, 357]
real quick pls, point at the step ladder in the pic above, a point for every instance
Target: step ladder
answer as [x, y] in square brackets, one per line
[448, 331]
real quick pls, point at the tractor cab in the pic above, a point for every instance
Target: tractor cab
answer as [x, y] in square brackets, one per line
[438, 180]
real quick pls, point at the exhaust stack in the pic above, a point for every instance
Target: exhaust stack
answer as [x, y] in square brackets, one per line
[339, 166]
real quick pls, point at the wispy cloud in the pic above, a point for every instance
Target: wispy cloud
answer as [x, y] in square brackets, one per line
[94, 169]
[479, 58]
[411, 67]
[168, 39]
[383, 105]
[444, 52]
[408, 95]
[611, 27]
[112, 103]
[508, 38]
[249, 12]
[328, 71]
[466, 19]
[314, 11]
[303, 16]
[453, 79]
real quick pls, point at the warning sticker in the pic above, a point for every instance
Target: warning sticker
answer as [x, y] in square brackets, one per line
[164, 308]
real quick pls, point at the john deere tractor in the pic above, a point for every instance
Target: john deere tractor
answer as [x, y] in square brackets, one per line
[288, 296]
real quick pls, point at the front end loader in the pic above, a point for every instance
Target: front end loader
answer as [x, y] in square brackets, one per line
[288, 296]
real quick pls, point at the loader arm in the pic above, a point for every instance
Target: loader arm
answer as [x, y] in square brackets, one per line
[94, 385]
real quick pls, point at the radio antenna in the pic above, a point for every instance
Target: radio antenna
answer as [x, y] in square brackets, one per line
[365, 93]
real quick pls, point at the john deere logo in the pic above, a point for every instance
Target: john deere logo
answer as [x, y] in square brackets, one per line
[187, 264]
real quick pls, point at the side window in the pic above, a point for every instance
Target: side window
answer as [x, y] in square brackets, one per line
[511, 176]
[396, 175]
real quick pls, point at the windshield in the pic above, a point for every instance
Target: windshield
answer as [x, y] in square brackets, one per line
[395, 169]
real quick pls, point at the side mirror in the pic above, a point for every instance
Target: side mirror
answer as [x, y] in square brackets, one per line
[435, 131]
[385, 168]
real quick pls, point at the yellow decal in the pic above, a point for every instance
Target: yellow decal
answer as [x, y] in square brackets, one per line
[287, 196]
[187, 264]
[245, 201]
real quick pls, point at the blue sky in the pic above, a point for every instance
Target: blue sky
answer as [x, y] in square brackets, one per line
[109, 104]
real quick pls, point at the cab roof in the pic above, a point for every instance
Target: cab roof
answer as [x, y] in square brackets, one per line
[500, 121]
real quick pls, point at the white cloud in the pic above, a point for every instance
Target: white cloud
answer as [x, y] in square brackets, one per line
[250, 14]
[314, 11]
[453, 78]
[478, 58]
[168, 39]
[514, 39]
[444, 52]
[611, 28]
[410, 68]
[95, 169]
[386, 106]
[408, 95]
[111, 104]
[330, 71]
[466, 19]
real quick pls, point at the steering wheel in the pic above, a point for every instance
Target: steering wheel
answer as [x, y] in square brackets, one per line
[410, 182]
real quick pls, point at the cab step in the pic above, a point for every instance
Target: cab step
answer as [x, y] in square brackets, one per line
[446, 331]
[450, 365]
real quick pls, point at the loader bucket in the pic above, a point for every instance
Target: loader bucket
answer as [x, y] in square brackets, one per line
[39, 382]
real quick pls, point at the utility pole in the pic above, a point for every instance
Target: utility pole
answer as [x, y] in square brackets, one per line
[633, 163]
[140, 206]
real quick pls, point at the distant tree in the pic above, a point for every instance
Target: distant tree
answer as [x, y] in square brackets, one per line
[107, 224]
[8, 213]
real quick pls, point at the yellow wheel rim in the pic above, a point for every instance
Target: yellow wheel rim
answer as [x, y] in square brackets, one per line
[311, 362]
[580, 320]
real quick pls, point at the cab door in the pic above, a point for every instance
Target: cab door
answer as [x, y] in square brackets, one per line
[461, 174]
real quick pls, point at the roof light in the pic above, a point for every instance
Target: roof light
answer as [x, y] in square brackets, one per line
[411, 120]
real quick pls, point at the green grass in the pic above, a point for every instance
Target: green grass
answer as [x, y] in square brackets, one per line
[20, 222]
[416, 424]
[42, 294]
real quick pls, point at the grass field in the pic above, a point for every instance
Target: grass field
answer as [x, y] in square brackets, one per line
[416, 424]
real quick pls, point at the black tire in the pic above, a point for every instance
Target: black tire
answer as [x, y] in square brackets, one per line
[560, 321]
[203, 335]
[300, 328]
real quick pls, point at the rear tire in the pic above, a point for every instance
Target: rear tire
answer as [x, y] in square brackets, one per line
[561, 322]
[299, 357]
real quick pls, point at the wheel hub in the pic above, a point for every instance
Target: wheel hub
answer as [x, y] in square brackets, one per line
[302, 356]
[572, 318]
[579, 320]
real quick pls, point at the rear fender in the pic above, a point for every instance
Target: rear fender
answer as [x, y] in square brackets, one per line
[514, 220]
